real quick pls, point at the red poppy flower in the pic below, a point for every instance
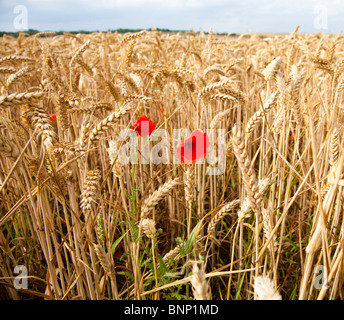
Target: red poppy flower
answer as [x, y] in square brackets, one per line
[118, 254]
[143, 126]
[193, 147]
[292, 138]
[52, 116]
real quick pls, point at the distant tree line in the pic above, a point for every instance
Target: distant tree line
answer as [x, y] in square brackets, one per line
[31, 32]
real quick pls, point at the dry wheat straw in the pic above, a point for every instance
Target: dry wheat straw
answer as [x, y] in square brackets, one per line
[322, 64]
[52, 203]
[268, 226]
[246, 206]
[78, 54]
[61, 111]
[113, 155]
[222, 97]
[44, 34]
[339, 68]
[172, 254]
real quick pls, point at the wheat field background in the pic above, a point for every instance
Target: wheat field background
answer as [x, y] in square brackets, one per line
[86, 226]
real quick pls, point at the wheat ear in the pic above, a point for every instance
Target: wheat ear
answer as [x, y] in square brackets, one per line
[271, 69]
[17, 99]
[268, 227]
[156, 196]
[90, 190]
[15, 58]
[334, 147]
[200, 286]
[9, 149]
[264, 289]
[189, 187]
[248, 174]
[39, 119]
[221, 214]
[148, 227]
[259, 115]
[104, 125]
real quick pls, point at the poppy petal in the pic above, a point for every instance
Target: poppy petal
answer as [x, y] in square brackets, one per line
[193, 148]
[143, 126]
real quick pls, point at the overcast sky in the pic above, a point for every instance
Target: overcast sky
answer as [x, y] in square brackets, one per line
[222, 15]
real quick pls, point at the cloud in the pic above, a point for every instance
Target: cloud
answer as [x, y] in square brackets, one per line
[106, 4]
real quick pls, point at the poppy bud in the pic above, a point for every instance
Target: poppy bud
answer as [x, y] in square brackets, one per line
[52, 116]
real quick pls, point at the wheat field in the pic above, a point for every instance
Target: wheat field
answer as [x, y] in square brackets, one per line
[85, 225]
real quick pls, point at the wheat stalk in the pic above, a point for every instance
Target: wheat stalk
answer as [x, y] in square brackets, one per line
[218, 117]
[101, 229]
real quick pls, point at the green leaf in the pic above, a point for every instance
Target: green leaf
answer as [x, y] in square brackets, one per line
[190, 242]
[239, 287]
[115, 244]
